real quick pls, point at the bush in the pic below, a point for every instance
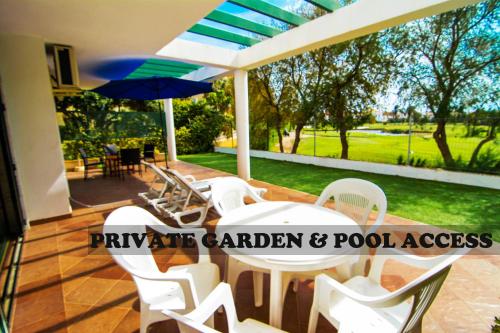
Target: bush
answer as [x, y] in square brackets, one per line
[198, 124]
[415, 162]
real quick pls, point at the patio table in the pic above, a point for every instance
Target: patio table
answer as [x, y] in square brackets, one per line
[284, 213]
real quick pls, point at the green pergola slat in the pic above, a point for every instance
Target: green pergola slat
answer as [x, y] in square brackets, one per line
[328, 5]
[241, 23]
[146, 75]
[205, 30]
[270, 10]
[172, 63]
[164, 68]
[157, 73]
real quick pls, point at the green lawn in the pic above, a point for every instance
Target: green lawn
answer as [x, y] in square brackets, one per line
[467, 208]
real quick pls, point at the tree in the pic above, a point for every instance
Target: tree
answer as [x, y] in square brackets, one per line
[452, 63]
[492, 120]
[355, 73]
[306, 73]
[275, 90]
[88, 117]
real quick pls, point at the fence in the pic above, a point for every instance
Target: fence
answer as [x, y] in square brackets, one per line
[126, 129]
[396, 143]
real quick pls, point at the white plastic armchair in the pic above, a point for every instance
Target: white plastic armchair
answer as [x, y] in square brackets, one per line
[229, 193]
[356, 198]
[220, 296]
[361, 304]
[180, 288]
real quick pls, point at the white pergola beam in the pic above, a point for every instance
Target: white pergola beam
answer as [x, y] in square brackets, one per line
[359, 19]
[198, 53]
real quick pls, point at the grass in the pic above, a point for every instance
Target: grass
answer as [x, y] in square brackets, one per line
[466, 208]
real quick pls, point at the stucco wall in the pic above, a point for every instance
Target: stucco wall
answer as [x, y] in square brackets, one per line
[32, 126]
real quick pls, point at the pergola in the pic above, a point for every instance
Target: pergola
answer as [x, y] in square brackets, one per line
[342, 21]
[190, 39]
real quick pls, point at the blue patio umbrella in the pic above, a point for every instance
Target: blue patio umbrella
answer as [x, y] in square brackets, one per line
[153, 88]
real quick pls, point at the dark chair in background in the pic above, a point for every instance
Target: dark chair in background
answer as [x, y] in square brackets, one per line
[88, 164]
[129, 158]
[149, 153]
[112, 159]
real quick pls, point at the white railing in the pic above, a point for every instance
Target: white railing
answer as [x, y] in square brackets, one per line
[473, 179]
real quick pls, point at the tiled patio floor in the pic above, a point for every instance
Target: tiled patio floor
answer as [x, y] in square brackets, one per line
[63, 289]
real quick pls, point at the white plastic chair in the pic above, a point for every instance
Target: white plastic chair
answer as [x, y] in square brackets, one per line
[221, 296]
[180, 288]
[356, 198]
[227, 194]
[361, 304]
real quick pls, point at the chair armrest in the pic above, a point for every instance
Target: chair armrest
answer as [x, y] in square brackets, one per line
[326, 285]
[185, 281]
[190, 178]
[199, 327]
[220, 296]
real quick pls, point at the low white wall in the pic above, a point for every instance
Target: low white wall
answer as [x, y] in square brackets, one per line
[463, 178]
[32, 127]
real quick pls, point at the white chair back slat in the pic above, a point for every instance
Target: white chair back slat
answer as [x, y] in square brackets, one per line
[355, 198]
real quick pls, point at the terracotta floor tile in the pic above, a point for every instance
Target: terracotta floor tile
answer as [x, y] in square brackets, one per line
[129, 323]
[96, 319]
[71, 283]
[66, 262]
[123, 294]
[38, 300]
[90, 291]
[55, 323]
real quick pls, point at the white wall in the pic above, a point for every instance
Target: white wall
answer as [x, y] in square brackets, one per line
[32, 126]
[463, 178]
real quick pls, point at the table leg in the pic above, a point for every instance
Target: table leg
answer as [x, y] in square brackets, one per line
[276, 302]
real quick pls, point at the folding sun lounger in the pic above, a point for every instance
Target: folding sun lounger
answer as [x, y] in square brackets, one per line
[189, 200]
[160, 186]
[177, 196]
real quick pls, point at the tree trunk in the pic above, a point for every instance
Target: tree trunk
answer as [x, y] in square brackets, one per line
[280, 138]
[491, 136]
[296, 141]
[345, 145]
[440, 138]
[341, 125]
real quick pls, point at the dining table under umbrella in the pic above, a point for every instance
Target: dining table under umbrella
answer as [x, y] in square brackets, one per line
[153, 88]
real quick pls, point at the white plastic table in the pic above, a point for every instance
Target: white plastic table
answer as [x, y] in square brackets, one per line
[285, 213]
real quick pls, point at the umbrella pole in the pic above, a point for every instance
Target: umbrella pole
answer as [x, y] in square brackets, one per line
[163, 138]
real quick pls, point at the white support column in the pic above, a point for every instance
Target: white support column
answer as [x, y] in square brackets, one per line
[242, 123]
[169, 120]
